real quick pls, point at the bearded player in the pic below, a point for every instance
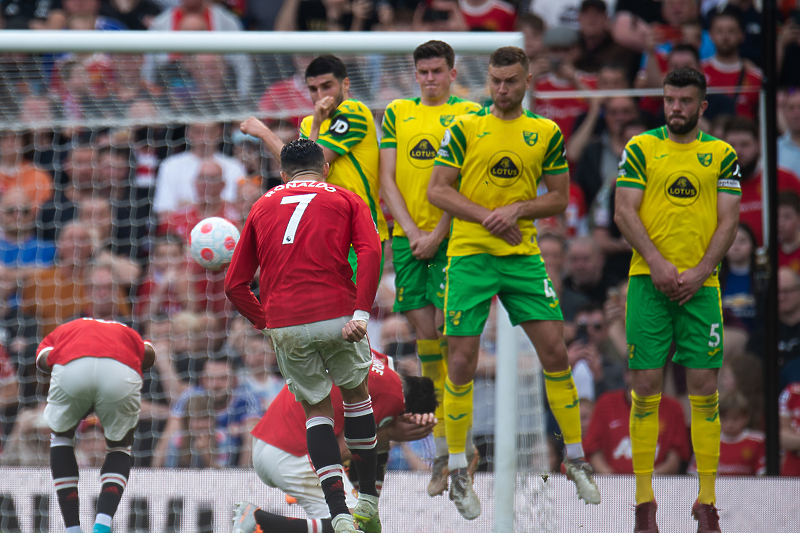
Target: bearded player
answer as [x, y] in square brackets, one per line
[412, 129]
[677, 204]
[281, 452]
[486, 176]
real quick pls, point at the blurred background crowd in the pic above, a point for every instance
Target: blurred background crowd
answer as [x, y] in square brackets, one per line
[121, 155]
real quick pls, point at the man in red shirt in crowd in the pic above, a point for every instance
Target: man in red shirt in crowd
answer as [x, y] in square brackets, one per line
[300, 234]
[280, 456]
[96, 366]
[742, 134]
[726, 68]
[789, 409]
[608, 441]
[789, 230]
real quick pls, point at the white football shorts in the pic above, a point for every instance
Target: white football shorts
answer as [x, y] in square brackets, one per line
[112, 388]
[311, 355]
[296, 477]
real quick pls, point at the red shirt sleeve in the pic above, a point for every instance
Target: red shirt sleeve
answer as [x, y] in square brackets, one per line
[240, 274]
[367, 246]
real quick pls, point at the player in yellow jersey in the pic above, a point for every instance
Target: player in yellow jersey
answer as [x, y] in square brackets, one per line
[486, 177]
[677, 204]
[345, 129]
[412, 129]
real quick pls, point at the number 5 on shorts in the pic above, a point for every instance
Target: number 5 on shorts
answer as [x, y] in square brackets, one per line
[302, 201]
[715, 337]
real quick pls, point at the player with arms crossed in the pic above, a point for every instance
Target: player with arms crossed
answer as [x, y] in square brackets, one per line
[677, 204]
[300, 235]
[345, 129]
[496, 160]
[412, 128]
[280, 455]
[96, 365]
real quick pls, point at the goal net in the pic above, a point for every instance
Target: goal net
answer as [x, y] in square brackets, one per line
[87, 137]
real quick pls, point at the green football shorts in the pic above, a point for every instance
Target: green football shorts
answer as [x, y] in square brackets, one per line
[520, 281]
[418, 283]
[653, 322]
[353, 260]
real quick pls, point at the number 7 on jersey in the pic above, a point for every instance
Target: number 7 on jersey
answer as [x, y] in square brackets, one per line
[302, 201]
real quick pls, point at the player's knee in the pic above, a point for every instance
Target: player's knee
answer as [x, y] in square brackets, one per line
[554, 357]
[125, 443]
[461, 368]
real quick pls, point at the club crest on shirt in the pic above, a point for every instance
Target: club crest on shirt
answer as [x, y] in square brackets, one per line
[705, 159]
[446, 120]
[531, 137]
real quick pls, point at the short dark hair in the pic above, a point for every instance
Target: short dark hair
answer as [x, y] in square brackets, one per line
[302, 154]
[686, 47]
[531, 21]
[741, 124]
[433, 49]
[728, 12]
[687, 77]
[789, 199]
[507, 56]
[419, 394]
[591, 306]
[327, 64]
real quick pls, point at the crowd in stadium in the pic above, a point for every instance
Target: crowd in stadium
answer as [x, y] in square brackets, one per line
[95, 222]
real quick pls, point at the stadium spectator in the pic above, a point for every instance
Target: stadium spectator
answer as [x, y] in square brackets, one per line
[27, 15]
[726, 67]
[233, 347]
[134, 14]
[289, 95]
[411, 456]
[737, 279]
[790, 429]
[319, 15]
[236, 411]
[177, 174]
[18, 339]
[789, 230]
[789, 327]
[614, 311]
[592, 345]
[562, 50]
[188, 351]
[76, 181]
[106, 298]
[585, 272]
[9, 382]
[532, 28]
[28, 444]
[165, 289]
[195, 443]
[553, 251]
[750, 18]
[84, 15]
[56, 294]
[596, 43]
[742, 135]
[563, 13]
[608, 441]
[201, 15]
[260, 374]
[611, 75]
[488, 15]
[788, 53]
[37, 110]
[789, 142]
[18, 172]
[19, 244]
[741, 450]
[634, 22]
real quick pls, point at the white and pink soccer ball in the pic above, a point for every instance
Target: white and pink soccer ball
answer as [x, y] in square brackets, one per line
[212, 242]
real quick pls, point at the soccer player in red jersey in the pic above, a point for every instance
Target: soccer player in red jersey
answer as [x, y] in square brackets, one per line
[281, 452]
[300, 234]
[96, 366]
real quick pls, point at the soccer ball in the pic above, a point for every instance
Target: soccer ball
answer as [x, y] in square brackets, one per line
[212, 242]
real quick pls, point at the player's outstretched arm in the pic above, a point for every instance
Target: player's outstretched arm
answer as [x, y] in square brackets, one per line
[663, 273]
[691, 280]
[256, 128]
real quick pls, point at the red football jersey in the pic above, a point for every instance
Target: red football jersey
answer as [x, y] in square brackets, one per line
[789, 259]
[740, 456]
[609, 431]
[789, 407]
[719, 75]
[562, 111]
[751, 207]
[300, 235]
[88, 337]
[494, 15]
[284, 423]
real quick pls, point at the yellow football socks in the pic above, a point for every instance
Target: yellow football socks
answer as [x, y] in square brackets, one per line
[433, 366]
[644, 439]
[563, 399]
[458, 413]
[705, 439]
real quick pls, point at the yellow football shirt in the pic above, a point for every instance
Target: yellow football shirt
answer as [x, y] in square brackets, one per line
[680, 183]
[415, 129]
[351, 133]
[501, 162]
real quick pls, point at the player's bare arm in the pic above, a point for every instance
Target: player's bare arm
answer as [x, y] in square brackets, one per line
[553, 202]
[426, 246]
[256, 128]
[442, 194]
[789, 437]
[663, 273]
[391, 194]
[691, 280]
